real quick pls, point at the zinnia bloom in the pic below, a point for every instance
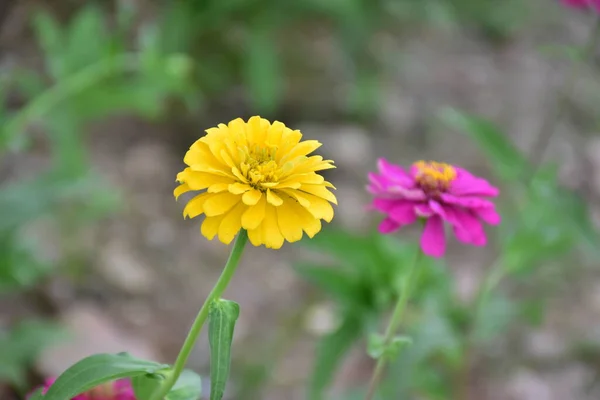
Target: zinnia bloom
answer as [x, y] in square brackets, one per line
[583, 4]
[117, 390]
[436, 192]
[257, 176]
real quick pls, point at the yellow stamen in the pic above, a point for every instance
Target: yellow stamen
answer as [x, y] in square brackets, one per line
[259, 165]
[434, 176]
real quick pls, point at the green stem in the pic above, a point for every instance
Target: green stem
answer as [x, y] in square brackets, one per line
[64, 89]
[216, 292]
[393, 325]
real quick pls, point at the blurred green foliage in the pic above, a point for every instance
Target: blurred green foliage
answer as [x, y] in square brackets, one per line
[20, 346]
[197, 51]
[543, 224]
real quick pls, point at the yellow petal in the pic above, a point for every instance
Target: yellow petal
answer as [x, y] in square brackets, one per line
[202, 180]
[289, 139]
[290, 224]
[254, 215]
[181, 189]
[319, 208]
[217, 188]
[273, 199]
[319, 191]
[256, 133]
[255, 236]
[220, 203]
[310, 225]
[274, 133]
[199, 155]
[302, 149]
[304, 202]
[210, 226]
[239, 188]
[309, 179]
[232, 223]
[195, 206]
[238, 126]
[251, 197]
[271, 234]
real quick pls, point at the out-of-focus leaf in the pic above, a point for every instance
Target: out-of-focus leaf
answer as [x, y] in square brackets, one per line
[29, 82]
[508, 162]
[262, 69]
[496, 314]
[49, 34]
[376, 346]
[87, 39]
[330, 352]
[21, 345]
[333, 281]
[19, 268]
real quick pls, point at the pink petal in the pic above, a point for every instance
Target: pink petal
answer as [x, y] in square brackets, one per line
[384, 205]
[388, 226]
[377, 183]
[467, 227]
[433, 239]
[438, 209]
[469, 184]
[401, 192]
[423, 210]
[395, 173]
[466, 201]
[488, 215]
[403, 213]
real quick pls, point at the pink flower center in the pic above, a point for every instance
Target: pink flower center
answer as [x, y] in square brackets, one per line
[433, 177]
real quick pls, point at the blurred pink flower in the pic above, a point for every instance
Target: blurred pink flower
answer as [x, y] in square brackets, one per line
[117, 390]
[436, 192]
[595, 4]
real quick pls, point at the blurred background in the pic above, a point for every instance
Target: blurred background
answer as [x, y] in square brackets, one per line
[100, 101]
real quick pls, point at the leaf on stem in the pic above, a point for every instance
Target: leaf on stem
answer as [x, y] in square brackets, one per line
[97, 369]
[222, 315]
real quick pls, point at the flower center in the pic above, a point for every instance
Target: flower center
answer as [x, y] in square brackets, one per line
[434, 177]
[259, 166]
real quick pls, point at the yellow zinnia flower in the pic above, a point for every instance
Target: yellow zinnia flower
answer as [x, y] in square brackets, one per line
[258, 176]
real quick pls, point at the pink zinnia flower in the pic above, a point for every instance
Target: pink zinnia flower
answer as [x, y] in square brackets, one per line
[437, 192]
[117, 390]
[584, 4]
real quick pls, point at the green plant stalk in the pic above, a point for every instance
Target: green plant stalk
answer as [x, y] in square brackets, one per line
[393, 325]
[215, 293]
[62, 90]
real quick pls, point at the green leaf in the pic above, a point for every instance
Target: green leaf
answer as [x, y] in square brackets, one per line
[187, 387]
[496, 314]
[51, 38]
[222, 315]
[88, 40]
[145, 385]
[508, 162]
[97, 369]
[330, 352]
[263, 70]
[377, 348]
[20, 346]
